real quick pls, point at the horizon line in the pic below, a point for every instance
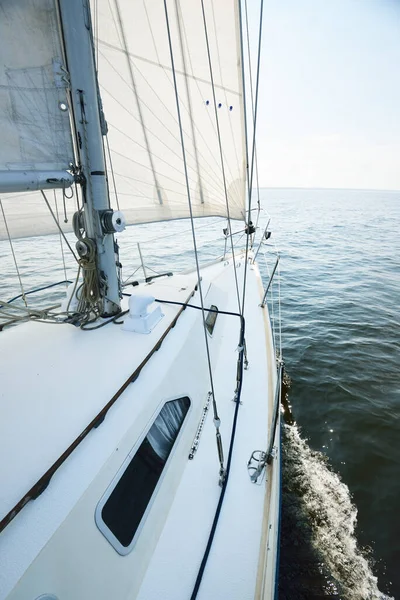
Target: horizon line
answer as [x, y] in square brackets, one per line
[277, 187]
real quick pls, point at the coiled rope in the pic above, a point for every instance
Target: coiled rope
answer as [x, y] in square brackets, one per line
[88, 293]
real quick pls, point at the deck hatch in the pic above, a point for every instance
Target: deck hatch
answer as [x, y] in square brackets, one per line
[211, 318]
[123, 507]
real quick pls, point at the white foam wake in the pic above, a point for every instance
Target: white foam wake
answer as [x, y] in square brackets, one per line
[326, 503]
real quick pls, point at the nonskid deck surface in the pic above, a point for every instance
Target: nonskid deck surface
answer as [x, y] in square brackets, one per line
[56, 379]
[176, 532]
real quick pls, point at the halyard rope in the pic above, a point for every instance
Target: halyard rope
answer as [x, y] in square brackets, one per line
[217, 421]
[253, 147]
[252, 112]
[220, 148]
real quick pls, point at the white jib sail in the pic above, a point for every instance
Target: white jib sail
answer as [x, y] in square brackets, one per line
[137, 89]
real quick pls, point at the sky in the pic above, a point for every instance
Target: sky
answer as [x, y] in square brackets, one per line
[329, 103]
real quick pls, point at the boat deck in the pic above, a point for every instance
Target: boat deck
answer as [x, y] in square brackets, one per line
[57, 378]
[59, 527]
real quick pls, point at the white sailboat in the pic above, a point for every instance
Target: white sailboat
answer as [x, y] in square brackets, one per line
[116, 482]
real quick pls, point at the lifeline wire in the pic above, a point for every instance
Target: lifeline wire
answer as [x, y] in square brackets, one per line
[254, 145]
[45, 287]
[61, 244]
[13, 253]
[215, 410]
[58, 225]
[220, 148]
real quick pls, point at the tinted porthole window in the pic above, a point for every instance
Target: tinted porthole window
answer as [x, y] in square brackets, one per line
[127, 503]
[211, 318]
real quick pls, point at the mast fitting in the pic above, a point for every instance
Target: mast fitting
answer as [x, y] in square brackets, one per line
[112, 221]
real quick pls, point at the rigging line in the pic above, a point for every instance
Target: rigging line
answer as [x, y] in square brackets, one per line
[151, 33]
[214, 402]
[220, 149]
[13, 253]
[61, 244]
[139, 108]
[196, 155]
[252, 111]
[272, 303]
[239, 240]
[126, 282]
[44, 287]
[279, 312]
[58, 226]
[208, 113]
[181, 25]
[112, 171]
[115, 25]
[222, 82]
[253, 147]
[162, 123]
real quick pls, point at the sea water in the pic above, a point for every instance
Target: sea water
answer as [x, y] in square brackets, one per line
[340, 292]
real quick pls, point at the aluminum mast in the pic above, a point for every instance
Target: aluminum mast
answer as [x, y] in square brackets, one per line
[90, 126]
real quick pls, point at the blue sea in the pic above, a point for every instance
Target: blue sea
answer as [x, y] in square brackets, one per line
[340, 295]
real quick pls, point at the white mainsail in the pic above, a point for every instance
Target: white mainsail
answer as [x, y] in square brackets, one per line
[34, 110]
[34, 116]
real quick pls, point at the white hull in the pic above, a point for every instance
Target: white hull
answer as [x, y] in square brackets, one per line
[57, 383]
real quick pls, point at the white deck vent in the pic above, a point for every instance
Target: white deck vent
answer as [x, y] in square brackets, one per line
[141, 319]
